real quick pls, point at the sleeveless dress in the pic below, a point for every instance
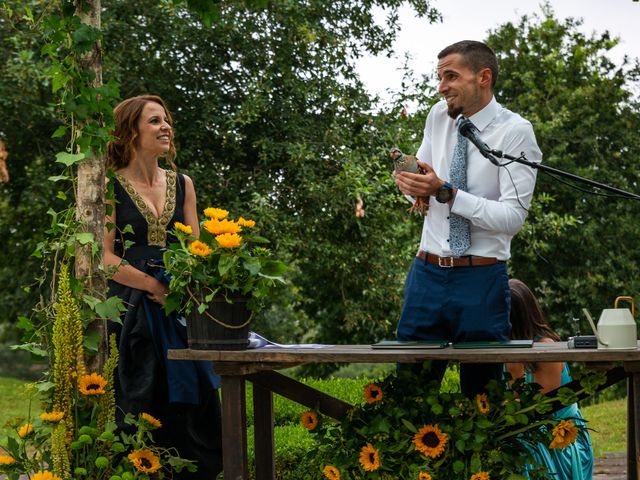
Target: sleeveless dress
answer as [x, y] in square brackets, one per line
[182, 395]
[574, 462]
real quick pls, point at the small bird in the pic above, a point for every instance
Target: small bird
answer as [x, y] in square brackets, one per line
[409, 163]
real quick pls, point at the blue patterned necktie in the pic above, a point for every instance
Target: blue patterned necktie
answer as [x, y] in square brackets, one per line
[459, 230]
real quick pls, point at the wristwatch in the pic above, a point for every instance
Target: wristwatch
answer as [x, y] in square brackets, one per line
[445, 193]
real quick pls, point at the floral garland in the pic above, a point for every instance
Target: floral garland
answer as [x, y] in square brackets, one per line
[408, 428]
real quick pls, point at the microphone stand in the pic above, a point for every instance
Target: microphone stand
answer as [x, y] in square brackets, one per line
[546, 168]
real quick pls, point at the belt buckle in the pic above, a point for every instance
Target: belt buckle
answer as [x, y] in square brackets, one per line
[445, 262]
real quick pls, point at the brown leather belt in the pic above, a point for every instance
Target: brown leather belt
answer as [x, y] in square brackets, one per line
[448, 262]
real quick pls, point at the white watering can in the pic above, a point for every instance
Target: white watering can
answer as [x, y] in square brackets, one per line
[616, 327]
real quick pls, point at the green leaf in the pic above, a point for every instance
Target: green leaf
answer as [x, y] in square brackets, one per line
[225, 264]
[83, 238]
[111, 308]
[59, 132]
[58, 178]
[252, 265]
[69, 159]
[410, 426]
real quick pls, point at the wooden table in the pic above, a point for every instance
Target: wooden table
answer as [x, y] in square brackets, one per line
[259, 366]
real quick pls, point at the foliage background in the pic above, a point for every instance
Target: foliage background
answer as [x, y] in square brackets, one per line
[272, 120]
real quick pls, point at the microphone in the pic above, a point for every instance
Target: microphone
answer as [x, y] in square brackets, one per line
[467, 129]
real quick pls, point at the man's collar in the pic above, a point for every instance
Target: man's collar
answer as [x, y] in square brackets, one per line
[484, 117]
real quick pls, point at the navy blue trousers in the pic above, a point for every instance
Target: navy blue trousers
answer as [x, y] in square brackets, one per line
[457, 304]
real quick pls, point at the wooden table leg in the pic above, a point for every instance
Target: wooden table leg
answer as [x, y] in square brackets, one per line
[263, 433]
[234, 428]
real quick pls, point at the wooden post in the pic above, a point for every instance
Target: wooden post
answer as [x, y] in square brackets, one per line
[263, 433]
[234, 428]
[90, 201]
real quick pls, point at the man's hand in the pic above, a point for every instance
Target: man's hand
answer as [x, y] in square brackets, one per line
[418, 185]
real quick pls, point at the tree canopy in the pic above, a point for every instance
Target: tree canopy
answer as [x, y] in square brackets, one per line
[271, 119]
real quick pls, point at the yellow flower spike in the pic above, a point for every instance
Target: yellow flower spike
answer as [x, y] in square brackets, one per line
[369, 458]
[480, 476]
[331, 472]
[144, 461]
[424, 476]
[92, 384]
[372, 393]
[246, 223]
[564, 434]
[25, 430]
[44, 475]
[482, 402]
[217, 213]
[200, 249]
[309, 420]
[53, 416]
[229, 240]
[430, 441]
[151, 420]
[7, 460]
[181, 227]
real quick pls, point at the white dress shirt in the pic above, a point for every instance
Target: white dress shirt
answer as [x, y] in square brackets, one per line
[495, 196]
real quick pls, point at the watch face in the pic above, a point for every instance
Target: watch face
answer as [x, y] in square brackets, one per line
[444, 194]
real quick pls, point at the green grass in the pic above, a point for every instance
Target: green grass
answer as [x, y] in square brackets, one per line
[608, 424]
[18, 402]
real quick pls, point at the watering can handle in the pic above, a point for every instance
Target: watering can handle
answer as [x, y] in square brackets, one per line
[628, 299]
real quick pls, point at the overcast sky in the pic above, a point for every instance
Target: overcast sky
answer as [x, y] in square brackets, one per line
[472, 19]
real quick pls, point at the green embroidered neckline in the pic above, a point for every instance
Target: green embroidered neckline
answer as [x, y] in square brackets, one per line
[156, 227]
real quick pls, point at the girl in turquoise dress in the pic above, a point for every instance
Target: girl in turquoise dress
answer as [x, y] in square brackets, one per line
[576, 461]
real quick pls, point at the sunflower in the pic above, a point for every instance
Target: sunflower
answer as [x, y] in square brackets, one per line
[218, 227]
[424, 476]
[331, 472]
[200, 249]
[216, 213]
[151, 420]
[309, 420]
[564, 434]
[46, 475]
[243, 222]
[369, 458]
[483, 403]
[183, 228]
[9, 460]
[25, 430]
[229, 240]
[430, 441]
[145, 461]
[53, 416]
[92, 384]
[372, 393]
[480, 476]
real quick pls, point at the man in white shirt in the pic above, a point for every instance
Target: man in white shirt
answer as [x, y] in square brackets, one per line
[465, 296]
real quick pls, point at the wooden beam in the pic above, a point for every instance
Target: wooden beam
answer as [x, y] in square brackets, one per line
[300, 393]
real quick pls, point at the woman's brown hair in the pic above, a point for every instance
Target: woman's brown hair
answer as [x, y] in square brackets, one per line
[527, 320]
[126, 115]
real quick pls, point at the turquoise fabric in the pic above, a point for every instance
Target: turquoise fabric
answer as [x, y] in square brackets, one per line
[574, 462]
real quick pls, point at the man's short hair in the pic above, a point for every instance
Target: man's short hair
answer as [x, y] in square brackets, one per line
[476, 55]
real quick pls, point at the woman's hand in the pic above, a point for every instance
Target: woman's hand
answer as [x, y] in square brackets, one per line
[157, 291]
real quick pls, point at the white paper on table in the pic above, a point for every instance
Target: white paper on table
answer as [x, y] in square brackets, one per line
[258, 341]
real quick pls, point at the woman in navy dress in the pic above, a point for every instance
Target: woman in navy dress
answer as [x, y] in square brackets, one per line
[148, 201]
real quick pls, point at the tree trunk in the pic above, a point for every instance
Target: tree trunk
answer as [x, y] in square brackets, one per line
[90, 206]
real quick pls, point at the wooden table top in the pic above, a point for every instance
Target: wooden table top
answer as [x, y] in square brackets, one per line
[540, 352]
